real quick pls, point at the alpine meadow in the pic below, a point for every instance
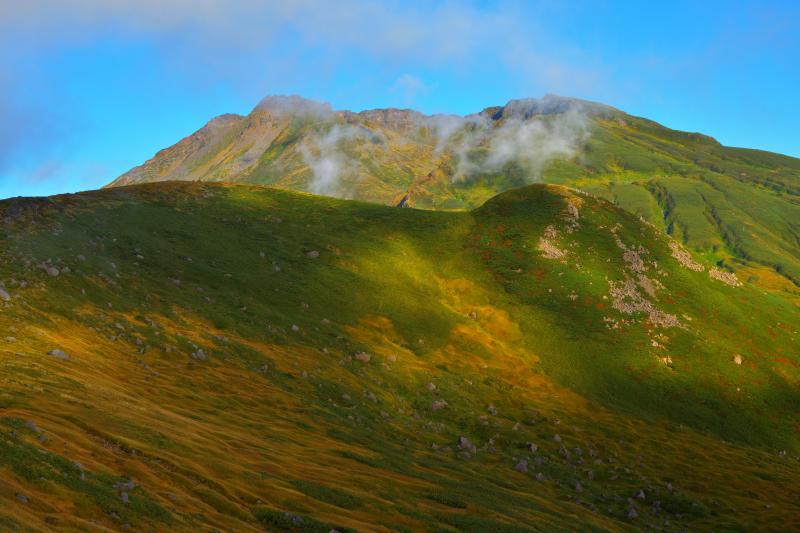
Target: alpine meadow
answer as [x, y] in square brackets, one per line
[545, 315]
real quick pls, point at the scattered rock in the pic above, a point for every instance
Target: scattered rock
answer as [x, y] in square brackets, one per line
[431, 387]
[126, 485]
[539, 476]
[438, 404]
[364, 357]
[294, 518]
[124, 497]
[60, 354]
[22, 498]
[200, 355]
[547, 246]
[4, 295]
[578, 487]
[522, 466]
[738, 359]
[492, 410]
[632, 513]
[391, 358]
[684, 258]
[295, 327]
[465, 445]
[724, 276]
[557, 438]
[531, 447]
[52, 271]
[313, 254]
[640, 495]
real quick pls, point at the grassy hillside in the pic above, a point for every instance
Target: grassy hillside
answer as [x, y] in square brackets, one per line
[735, 206]
[205, 357]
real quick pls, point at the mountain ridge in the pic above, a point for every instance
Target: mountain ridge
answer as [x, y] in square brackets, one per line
[733, 205]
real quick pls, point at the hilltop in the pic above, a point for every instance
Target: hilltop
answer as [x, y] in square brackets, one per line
[199, 356]
[734, 206]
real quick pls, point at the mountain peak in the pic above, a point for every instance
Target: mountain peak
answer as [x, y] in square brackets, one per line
[549, 104]
[280, 105]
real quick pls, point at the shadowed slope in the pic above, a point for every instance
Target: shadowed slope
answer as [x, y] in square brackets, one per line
[230, 354]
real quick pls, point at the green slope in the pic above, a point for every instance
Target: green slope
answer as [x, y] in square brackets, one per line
[737, 207]
[237, 353]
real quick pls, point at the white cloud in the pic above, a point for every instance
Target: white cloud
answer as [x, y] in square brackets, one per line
[410, 87]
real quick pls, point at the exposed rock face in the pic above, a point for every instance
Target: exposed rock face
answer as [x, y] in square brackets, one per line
[724, 276]
[547, 244]
[636, 292]
[684, 257]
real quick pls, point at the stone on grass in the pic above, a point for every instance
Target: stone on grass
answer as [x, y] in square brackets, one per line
[465, 444]
[438, 404]
[364, 357]
[4, 295]
[57, 353]
[522, 466]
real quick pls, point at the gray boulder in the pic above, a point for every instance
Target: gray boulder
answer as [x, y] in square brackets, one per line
[57, 353]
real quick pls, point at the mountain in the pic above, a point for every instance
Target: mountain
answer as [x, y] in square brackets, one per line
[738, 208]
[215, 357]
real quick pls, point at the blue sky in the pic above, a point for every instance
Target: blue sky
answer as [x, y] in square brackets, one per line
[90, 88]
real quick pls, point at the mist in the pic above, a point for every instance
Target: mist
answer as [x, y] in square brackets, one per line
[327, 161]
[530, 133]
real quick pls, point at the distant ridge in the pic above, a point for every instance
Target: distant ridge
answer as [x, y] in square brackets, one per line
[732, 204]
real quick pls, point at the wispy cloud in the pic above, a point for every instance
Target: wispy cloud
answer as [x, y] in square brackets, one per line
[410, 87]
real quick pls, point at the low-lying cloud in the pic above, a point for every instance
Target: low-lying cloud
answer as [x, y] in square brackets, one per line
[327, 159]
[549, 129]
[529, 135]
